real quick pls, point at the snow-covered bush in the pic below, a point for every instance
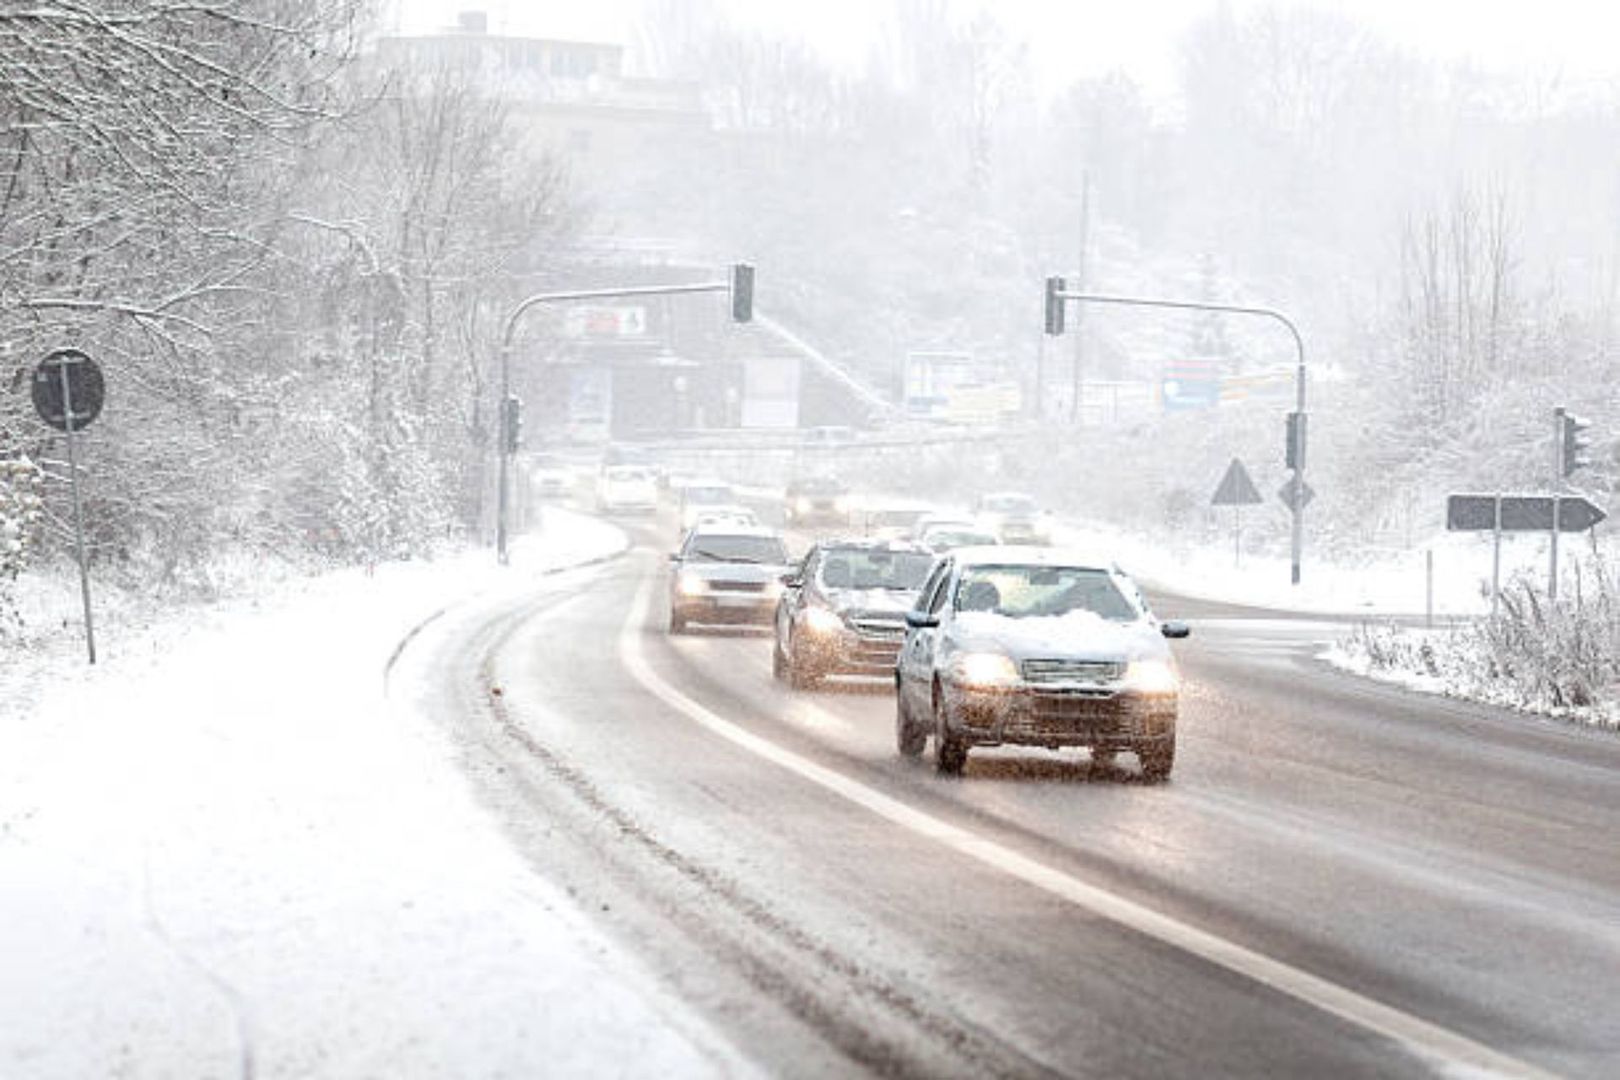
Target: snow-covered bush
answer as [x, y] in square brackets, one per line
[20, 510]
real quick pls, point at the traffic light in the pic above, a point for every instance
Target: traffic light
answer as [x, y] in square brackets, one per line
[1054, 306]
[511, 424]
[1573, 442]
[1294, 448]
[742, 292]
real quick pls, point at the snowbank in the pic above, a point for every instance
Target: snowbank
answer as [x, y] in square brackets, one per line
[225, 851]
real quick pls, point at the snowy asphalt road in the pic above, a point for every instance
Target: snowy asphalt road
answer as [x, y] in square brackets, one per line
[1341, 877]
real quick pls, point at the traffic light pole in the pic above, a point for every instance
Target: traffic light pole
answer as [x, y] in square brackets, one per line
[742, 277]
[1297, 484]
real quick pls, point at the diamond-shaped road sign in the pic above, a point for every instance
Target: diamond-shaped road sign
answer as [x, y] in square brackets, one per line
[1236, 488]
[1294, 491]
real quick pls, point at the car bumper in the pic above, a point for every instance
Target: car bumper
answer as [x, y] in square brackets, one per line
[848, 653]
[1038, 717]
[747, 609]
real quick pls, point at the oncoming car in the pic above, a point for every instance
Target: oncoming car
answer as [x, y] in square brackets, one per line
[726, 574]
[816, 500]
[843, 611]
[626, 489]
[696, 496]
[1035, 646]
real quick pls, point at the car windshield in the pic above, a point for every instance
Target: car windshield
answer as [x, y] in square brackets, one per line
[1043, 591]
[720, 547]
[873, 568]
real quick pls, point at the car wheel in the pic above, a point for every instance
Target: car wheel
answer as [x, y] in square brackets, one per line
[800, 675]
[909, 736]
[677, 623]
[950, 751]
[1157, 760]
[779, 667]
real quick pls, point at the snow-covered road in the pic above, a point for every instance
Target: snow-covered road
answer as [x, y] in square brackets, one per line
[230, 852]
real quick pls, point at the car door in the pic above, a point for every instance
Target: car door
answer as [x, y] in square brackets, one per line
[916, 663]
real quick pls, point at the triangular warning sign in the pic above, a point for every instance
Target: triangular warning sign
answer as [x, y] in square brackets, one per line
[1236, 488]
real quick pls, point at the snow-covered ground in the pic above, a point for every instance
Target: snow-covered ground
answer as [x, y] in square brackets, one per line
[226, 850]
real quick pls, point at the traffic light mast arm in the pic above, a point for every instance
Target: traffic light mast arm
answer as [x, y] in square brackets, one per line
[510, 332]
[1056, 291]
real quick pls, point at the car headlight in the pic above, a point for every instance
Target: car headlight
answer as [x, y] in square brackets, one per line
[819, 620]
[1151, 677]
[985, 670]
[840, 505]
[689, 584]
[802, 506]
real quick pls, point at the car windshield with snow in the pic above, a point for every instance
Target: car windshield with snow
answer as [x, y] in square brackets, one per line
[1029, 646]
[726, 574]
[843, 611]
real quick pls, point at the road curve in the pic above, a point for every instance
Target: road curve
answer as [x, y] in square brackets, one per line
[1340, 877]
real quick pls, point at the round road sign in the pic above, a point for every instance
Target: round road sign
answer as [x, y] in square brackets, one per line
[85, 389]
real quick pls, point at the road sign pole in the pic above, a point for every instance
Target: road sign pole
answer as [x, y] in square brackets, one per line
[1552, 561]
[1428, 589]
[78, 512]
[1558, 480]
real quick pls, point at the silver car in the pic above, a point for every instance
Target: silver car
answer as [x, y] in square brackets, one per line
[1035, 646]
[726, 574]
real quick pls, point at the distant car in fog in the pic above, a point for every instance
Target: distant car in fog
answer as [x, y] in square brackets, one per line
[624, 489]
[843, 609]
[551, 476]
[1035, 646]
[726, 574]
[829, 435]
[1014, 517]
[945, 536]
[816, 500]
[888, 521]
[698, 495]
[724, 515]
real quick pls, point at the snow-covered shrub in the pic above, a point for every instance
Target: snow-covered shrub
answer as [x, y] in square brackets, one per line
[21, 508]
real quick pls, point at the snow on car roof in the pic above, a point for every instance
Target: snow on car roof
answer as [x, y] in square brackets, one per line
[871, 543]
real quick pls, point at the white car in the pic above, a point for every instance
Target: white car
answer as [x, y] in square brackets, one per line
[623, 489]
[551, 477]
[701, 495]
[724, 515]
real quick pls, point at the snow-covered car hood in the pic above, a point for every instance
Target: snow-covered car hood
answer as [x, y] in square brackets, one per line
[732, 571]
[1076, 636]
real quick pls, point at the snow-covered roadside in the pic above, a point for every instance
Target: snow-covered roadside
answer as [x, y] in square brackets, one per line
[224, 852]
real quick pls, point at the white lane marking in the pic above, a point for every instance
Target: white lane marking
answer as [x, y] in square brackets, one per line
[1439, 1046]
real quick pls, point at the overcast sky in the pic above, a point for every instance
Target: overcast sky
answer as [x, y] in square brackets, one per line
[1069, 39]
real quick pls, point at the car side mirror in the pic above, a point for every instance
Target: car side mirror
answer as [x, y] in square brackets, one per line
[791, 580]
[1175, 629]
[921, 620]
[674, 556]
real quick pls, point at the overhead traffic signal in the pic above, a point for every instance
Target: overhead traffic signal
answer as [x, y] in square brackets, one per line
[1294, 448]
[742, 293]
[1574, 447]
[511, 424]
[1054, 306]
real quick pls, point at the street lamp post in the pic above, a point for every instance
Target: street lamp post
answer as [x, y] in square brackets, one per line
[1297, 483]
[740, 286]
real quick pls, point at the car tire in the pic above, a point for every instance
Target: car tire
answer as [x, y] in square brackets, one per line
[1157, 761]
[800, 675]
[677, 623]
[779, 666]
[909, 736]
[950, 751]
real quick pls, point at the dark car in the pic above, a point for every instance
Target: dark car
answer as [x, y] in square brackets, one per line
[816, 500]
[843, 611]
[1035, 646]
[726, 574]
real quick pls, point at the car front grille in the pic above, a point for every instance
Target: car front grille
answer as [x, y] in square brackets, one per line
[737, 586]
[870, 626]
[1089, 672]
